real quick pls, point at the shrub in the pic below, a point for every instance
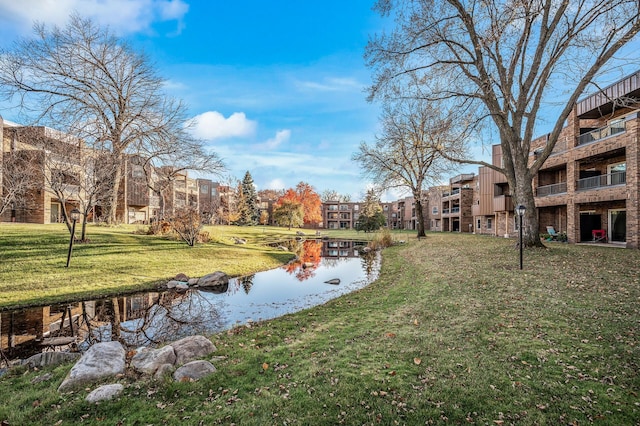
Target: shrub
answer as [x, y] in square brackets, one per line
[187, 223]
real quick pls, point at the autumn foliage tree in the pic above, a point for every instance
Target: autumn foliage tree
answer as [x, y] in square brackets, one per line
[305, 195]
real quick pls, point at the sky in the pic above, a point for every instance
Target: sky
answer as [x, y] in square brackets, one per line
[277, 88]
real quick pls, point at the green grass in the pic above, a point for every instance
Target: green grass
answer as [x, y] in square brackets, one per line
[451, 333]
[33, 260]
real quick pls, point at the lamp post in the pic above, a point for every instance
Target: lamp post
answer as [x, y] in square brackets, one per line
[75, 215]
[520, 211]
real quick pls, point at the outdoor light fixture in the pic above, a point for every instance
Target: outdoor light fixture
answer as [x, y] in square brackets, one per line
[75, 216]
[520, 212]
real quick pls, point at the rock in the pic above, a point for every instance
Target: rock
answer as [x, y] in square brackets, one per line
[194, 371]
[163, 370]
[104, 359]
[147, 360]
[334, 281]
[283, 248]
[191, 348]
[181, 277]
[192, 281]
[104, 393]
[217, 278]
[50, 359]
[182, 286]
[240, 241]
[41, 378]
[300, 233]
[172, 284]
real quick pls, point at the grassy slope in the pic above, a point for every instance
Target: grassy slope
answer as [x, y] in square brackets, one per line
[452, 332]
[33, 259]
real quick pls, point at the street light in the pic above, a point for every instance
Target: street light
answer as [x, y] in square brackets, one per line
[74, 215]
[520, 211]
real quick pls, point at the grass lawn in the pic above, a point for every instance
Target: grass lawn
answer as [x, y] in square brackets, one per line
[33, 259]
[451, 333]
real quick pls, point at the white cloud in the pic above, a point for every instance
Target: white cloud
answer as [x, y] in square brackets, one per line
[275, 184]
[213, 125]
[281, 137]
[334, 84]
[122, 16]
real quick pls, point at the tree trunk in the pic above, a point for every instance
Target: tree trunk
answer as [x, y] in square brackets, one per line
[112, 200]
[524, 195]
[420, 217]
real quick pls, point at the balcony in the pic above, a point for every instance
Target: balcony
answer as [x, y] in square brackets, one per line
[603, 181]
[603, 132]
[556, 188]
[502, 203]
[445, 211]
[455, 210]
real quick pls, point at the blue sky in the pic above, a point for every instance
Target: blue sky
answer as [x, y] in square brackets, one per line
[276, 87]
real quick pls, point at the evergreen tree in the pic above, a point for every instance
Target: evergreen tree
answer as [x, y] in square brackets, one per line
[371, 217]
[248, 202]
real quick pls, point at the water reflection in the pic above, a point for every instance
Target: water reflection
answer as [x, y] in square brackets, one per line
[154, 317]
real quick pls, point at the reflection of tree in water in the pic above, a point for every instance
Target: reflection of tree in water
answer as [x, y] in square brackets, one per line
[151, 318]
[370, 262]
[247, 282]
[309, 255]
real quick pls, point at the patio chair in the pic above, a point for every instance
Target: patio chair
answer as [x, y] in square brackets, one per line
[552, 233]
[599, 235]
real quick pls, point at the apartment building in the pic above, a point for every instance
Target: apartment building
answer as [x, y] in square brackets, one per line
[456, 203]
[590, 185]
[339, 215]
[52, 161]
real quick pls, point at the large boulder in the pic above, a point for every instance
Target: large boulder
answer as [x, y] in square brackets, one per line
[192, 347]
[105, 393]
[147, 360]
[215, 279]
[105, 359]
[193, 371]
[45, 359]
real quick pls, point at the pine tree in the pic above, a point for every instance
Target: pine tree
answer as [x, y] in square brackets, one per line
[249, 212]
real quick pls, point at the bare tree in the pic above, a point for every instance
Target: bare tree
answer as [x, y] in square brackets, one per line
[503, 58]
[98, 88]
[407, 153]
[18, 174]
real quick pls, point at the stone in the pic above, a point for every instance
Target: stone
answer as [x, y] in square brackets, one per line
[192, 281]
[41, 378]
[163, 370]
[45, 359]
[191, 348]
[104, 359]
[147, 360]
[214, 279]
[104, 393]
[193, 371]
[283, 248]
[181, 277]
[300, 233]
[172, 284]
[182, 286]
[240, 241]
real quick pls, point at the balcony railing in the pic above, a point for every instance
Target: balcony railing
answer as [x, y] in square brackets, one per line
[455, 210]
[603, 132]
[445, 211]
[602, 181]
[556, 188]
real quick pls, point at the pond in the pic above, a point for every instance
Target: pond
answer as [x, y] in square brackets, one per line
[323, 270]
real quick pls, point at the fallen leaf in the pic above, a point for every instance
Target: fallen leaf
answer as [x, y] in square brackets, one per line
[391, 335]
[415, 322]
[265, 366]
[417, 361]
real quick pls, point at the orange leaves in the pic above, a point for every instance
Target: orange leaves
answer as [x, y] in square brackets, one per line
[265, 366]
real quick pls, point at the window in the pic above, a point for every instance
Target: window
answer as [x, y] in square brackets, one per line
[204, 189]
[356, 207]
[478, 225]
[434, 210]
[333, 207]
[489, 223]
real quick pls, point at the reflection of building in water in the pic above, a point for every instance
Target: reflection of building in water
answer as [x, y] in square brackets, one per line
[339, 248]
[57, 327]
